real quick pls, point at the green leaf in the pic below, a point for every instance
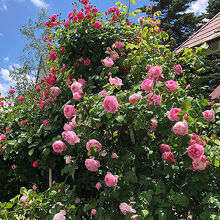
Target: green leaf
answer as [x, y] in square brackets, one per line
[144, 212]
[120, 118]
[23, 191]
[31, 151]
[9, 205]
[108, 116]
[48, 127]
[186, 105]
[46, 152]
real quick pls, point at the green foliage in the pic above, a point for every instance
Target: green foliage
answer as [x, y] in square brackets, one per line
[154, 187]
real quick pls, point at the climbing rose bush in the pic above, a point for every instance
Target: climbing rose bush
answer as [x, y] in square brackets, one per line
[115, 128]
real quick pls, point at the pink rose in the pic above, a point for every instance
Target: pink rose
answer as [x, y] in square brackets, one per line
[42, 105]
[198, 164]
[111, 180]
[87, 62]
[140, 20]
[23, 199]
[153, 98]
[103, 93]
[93, 211]
[155, 71]
[71, 137]
[68, 159]
[173, 114]
[58, 147]
[70, 15]
[171, 85]
[67, 23]
[92, 164]
[59, 216]
[20, 98]
[164, 148]
[23, 122]
[147, 85]
[93, 143]
[154, 124]
[77, 95]
[180, 128]
[80, 15]
[38, 88]
[2, 137]
[125, 208]
[83, 82]
[70, 111]
[52, 55]
[115, 81]
[136, 96]
[53, 17]
[168, 157]
[98, 185]
[55, 91]
[12, 91]
[195, 151]
[46, 123]
[13, 167]
[195, 139]
[114, 155]
[67, 127]
[34, 187]
[209, 115]
[114, 55]
[178, 69]
[97, 24]
[108, 62]
[8, 128]
[73, 122]
[35, 164]
[76, 86]
[111, 104]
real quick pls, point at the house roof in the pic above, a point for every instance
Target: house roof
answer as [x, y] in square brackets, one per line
[216, 93]
[208, 32]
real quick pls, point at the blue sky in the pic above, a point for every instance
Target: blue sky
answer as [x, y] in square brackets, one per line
[14, 13]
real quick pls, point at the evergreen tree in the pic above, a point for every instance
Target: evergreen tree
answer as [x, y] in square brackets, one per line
[174, 19]
[212, 8]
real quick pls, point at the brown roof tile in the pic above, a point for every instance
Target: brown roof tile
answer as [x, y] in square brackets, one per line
[208, 32]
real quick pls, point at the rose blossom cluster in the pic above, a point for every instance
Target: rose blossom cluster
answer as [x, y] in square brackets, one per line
[125, 208]
[167, 155]
[195, 139]
[196, 153]
[77, 88]
[136, 96]
[115, 81]
[153, 98]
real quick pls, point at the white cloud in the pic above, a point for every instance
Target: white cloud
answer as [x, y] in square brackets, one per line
[5, 75]
[5, 82]
[6, 59]
[3, 6]
[40, 3]
[198, 7]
